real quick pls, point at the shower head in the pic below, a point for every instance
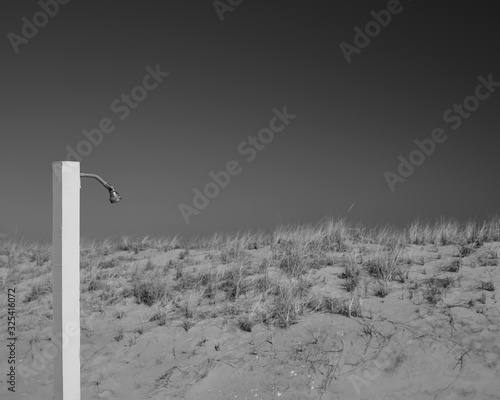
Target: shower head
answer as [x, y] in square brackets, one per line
[114, 196]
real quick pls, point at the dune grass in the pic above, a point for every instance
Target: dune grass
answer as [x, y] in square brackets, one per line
[276, 288]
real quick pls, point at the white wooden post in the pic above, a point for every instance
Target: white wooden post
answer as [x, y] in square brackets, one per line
[66, 278]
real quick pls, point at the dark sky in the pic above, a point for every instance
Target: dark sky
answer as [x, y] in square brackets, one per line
[354, 122]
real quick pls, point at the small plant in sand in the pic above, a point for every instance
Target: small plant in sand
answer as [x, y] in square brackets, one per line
[108, 264]
[486, 285]
[454, 266]
[245, 323]
[149, 288]
[381, 289]
[231, 251]
[183, 254]
[387, 266]
[464, 251]
[119, 335]
[39, 254]
[285, 300]
[160, 315]
[136, 245]
[291, 262]
[39, 287]
[435, 288]
[488, 259]
[13, 252]
[351, 277]
[348, 307]
[482, 299]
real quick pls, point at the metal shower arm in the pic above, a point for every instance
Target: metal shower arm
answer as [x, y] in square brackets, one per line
[114, 196]
[104, 183]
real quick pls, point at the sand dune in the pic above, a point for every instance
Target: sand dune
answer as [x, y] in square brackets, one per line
[321, 312]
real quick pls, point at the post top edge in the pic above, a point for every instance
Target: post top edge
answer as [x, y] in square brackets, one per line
[66, 162]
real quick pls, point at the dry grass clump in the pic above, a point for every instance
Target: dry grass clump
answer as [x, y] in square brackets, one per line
[149, 287]
[12, 252]
[351, 277]
[164, 243]
[482, 299]
[232, 281]
[137, 244]
[487, 231]
[245, 323]
[160, 314]
[39, 254]
[231, 248]
[348, 307]
[337, 236]
[388, 265]
[107, 264]
[486, 285]
[435, 288]
[231, 251]
[488, 259]
[38, 288]
[464, 250]
[290, 258]
[96, 248]
[287, 300]
[298, 249]
[445, 232]
[327, 236]
[442, 233]
[96, 273]
[222, 283]
[245, 240]
[454, 266]
[381, 289]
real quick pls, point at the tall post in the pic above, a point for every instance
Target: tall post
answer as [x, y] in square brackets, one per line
[66, 278]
